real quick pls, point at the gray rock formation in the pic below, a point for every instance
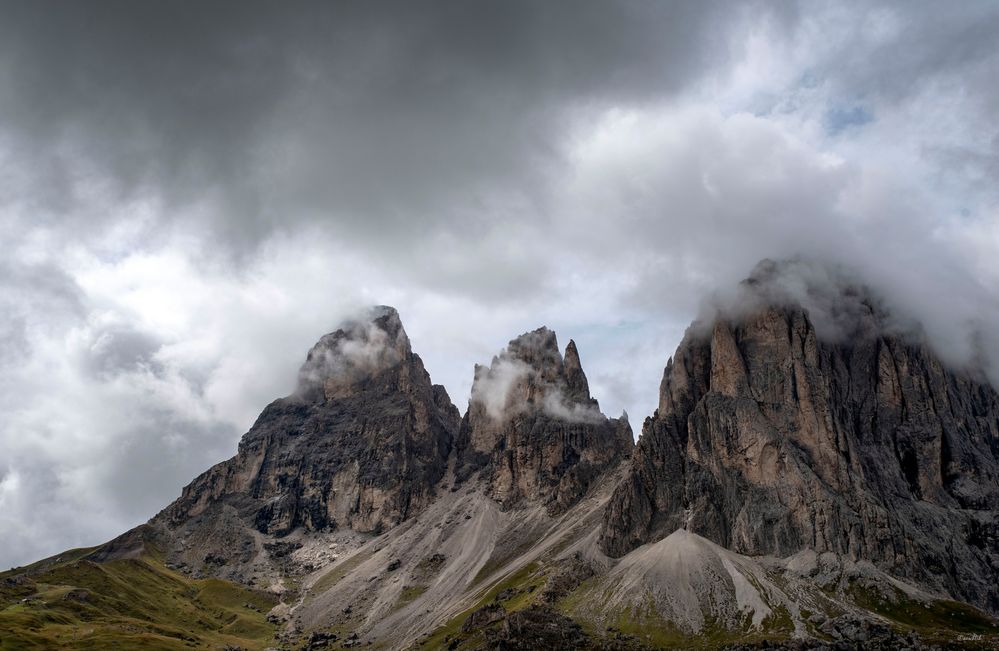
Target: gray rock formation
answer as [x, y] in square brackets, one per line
[771, 437]
[361, 444]
[533, 429]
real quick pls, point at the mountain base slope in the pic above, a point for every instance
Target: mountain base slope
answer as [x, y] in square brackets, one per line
[71, 601]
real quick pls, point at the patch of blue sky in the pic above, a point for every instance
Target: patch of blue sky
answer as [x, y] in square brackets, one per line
[841, 118]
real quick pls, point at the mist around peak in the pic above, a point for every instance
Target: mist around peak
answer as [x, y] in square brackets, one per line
[363, 345]
[844, 305]
[531, 374]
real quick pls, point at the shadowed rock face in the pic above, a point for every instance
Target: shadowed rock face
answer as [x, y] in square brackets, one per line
[770, 439]
[361, 444]
[534, 430]
[366, 439]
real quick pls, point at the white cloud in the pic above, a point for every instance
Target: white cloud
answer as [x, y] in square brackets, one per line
[493, 386]
[556, 405]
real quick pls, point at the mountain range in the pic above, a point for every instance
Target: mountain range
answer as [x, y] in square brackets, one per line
[807, 481]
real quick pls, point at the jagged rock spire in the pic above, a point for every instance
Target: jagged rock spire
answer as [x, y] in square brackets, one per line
[532, 427]
[577, 386]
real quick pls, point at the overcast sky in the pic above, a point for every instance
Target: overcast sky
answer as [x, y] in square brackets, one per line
[192, 193]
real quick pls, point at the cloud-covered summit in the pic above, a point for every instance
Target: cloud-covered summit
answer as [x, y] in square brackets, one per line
[531, 375]
[362, 346]
[843, 307]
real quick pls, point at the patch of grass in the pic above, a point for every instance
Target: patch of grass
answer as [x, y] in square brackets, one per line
[929, 619]
[647, 626]
[338, 571]
[490, 566]
[67, 556]
[778, 625]
[496, 562]
[409, 594]
[643, 621]
[130, 603]
[523, 585]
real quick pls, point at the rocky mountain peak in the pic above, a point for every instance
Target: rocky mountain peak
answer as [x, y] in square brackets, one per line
[361, 348]
[805, 417]
[530, 375]
[532, 427]
[535, 359]
[538, 347]
[577, 386]
[839, 305]
[361, 444]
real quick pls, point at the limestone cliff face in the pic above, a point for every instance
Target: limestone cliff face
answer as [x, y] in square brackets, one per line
[770, 439]
[361, 444]
[533, 429]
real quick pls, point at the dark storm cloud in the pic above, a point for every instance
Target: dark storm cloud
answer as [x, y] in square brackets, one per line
[33, 297]
[120, 349]
[365, 115]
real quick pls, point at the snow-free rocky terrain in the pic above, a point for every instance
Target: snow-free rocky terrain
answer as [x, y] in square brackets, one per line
[803, 484]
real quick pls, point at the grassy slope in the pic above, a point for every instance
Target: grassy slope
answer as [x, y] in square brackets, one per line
[955, 625]
[943, 622]
[646, 627]
[127, 604]
[522, 585]
[70, 602]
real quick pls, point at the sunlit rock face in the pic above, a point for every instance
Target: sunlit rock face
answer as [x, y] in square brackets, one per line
[776, 433]
[532, 428]
[361, 444]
